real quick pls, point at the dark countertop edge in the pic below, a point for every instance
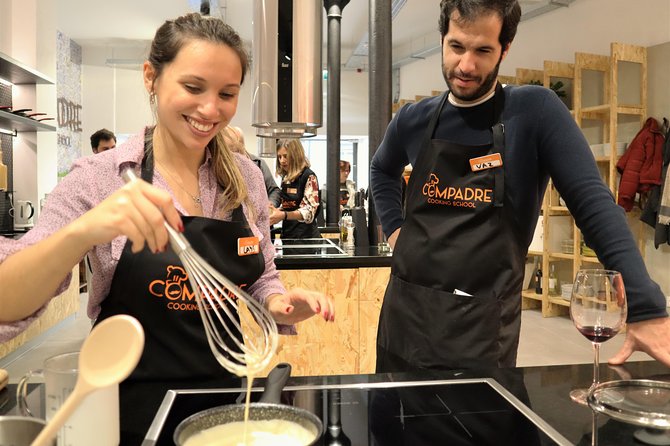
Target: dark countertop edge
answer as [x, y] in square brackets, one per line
[333, 262]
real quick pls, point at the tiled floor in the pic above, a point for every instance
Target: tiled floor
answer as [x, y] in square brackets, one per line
[544, 341]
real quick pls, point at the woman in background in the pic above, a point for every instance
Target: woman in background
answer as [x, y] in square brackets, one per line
[347, 186]
[300, 192]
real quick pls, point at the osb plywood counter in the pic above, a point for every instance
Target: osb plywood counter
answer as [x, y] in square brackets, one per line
[58, 309]
[356, 284]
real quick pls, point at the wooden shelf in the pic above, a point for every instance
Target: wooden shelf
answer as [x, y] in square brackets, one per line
[558, 210]
[596, 111]
[634, 110]
[590, 259]
[557, 300]
[561, 256]
[10, 121]
[535, 253]
[18, 73]
[531, 294]
[595, 80]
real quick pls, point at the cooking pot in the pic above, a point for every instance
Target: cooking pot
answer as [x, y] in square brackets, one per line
[268, 408]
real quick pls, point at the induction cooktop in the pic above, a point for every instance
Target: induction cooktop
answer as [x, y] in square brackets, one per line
[310, 247]
[454, 412]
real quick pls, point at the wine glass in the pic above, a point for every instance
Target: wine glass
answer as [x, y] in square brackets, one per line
[598, 310]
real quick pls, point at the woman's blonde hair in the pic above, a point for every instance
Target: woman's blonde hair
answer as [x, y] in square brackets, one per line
[297, 161]
[228, 176]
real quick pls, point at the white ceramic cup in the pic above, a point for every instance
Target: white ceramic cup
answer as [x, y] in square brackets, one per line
[94, 422]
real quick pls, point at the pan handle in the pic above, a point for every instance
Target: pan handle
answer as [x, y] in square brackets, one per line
[275, 382]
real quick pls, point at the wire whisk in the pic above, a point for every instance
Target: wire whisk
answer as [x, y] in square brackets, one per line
[243, 342]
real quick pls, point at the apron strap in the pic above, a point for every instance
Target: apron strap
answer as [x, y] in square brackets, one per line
[498, 130]
[425, 144]
[148, 158]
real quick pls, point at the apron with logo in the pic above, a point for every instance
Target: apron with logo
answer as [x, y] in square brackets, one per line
[453, 300]
[154, 288]
[291, 196]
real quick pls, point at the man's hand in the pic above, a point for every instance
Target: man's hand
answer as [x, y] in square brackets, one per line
[651, 336]
[393, 238]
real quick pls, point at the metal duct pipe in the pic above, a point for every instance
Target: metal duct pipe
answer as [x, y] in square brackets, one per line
[286, 49]
[380, 90]
[334, 10]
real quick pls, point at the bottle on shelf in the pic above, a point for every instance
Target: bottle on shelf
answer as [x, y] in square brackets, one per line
[538, 281]
[3, 173]
[553, 281]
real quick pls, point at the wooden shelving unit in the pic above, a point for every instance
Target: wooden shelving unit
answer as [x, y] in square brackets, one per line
[603, 95]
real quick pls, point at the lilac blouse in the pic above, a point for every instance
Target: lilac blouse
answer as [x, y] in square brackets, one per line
[94, 178]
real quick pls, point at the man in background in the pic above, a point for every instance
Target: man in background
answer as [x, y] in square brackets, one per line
[102, 140]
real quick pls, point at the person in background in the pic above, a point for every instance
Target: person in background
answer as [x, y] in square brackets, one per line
[234, 138]
[347, 186]
[103, 140]
[300, 192]
[189, 178]
[482, 156]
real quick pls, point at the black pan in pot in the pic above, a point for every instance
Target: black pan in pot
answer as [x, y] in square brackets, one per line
[268, 408]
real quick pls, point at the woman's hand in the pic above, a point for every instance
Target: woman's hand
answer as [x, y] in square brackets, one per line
[298, 305]
[138, 211]
[276, 215]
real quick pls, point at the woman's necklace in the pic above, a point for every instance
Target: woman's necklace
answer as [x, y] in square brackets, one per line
[196, 199]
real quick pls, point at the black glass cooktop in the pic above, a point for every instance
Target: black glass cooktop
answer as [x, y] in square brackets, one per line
[311, 247]
[455, 412]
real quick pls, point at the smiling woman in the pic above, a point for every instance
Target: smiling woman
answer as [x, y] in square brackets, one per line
[189, 179]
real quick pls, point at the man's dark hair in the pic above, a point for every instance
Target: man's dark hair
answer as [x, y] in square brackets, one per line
[508, 10]
[101, 135]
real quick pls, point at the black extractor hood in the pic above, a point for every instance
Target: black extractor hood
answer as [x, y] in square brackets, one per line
[286, 66]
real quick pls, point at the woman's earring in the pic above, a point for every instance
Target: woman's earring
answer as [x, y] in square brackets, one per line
[152, 98]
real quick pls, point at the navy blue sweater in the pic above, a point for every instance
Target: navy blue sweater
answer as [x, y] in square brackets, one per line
[542, 140]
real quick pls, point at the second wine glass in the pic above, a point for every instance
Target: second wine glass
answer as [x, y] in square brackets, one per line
[598, 309]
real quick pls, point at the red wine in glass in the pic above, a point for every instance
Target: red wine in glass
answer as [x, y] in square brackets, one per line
[598, 310]
[597, 334]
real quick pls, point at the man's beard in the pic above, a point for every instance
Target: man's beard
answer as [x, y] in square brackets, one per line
[484, 88]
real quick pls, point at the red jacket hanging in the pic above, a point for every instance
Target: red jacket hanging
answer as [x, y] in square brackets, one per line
[640, 166]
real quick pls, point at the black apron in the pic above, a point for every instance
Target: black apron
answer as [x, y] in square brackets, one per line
[344, 195]
[154, 288]
[291, 196]
[457, 237]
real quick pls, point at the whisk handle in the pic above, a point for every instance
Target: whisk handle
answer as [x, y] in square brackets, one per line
[177, 240]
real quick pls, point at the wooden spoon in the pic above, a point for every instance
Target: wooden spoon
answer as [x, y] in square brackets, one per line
[109, 354]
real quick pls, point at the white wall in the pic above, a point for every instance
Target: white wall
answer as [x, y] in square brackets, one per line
[658, 260]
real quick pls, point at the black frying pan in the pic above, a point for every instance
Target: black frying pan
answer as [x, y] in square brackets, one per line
[268, 408]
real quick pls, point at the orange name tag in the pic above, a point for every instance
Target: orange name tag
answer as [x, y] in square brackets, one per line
[486, 162]
[247, 246]
[292, 190]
